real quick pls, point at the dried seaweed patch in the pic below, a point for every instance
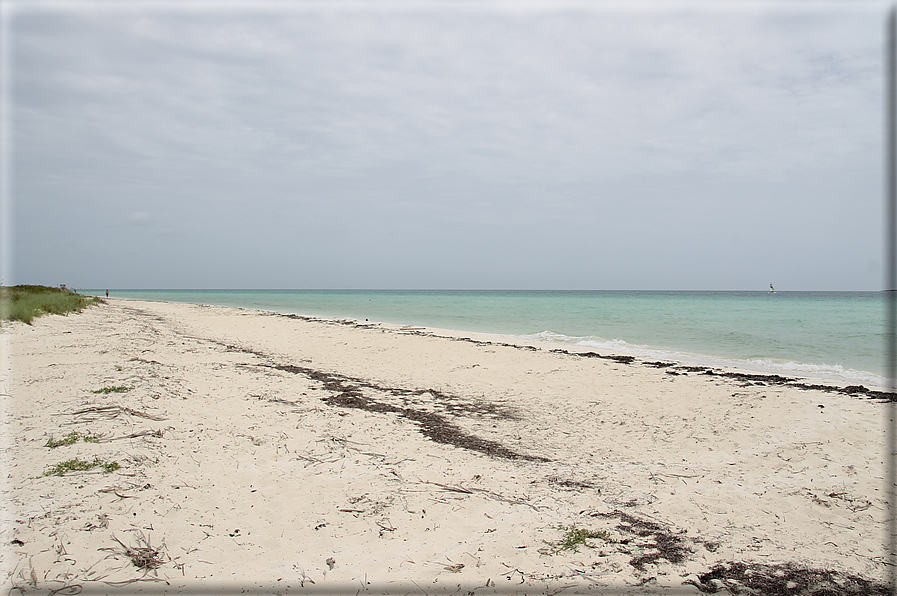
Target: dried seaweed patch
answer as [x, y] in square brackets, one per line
[784, 580]
[571, 484]
[659, 540]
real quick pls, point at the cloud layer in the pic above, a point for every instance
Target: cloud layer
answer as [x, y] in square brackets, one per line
[432, 146]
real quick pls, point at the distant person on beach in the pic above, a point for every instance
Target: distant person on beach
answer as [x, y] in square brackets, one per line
[107, 293]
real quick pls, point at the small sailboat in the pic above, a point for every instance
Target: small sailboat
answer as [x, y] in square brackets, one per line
[772, 290]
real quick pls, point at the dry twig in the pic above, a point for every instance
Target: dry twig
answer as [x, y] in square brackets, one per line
[143, 556]
[143, 433]
[94, 413]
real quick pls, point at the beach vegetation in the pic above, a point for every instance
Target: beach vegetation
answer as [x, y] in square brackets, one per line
[72, 438]
[81, 465]
[574, 537]
[112, 389]
[26, 302]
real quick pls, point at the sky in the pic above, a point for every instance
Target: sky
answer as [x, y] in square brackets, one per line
[443, 145]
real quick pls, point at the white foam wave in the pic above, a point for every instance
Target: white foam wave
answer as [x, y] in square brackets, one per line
[830, 372]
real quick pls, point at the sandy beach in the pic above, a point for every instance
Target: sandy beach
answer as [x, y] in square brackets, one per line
[277, 453]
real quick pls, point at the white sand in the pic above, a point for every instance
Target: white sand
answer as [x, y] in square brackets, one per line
[256, 482]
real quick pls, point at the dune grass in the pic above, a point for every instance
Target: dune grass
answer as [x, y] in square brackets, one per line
[112, 389]
[24, 303]
[72, 438]
[574, 537]
[81, 465]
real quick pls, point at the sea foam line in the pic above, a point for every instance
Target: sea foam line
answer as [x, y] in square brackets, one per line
[831, 372]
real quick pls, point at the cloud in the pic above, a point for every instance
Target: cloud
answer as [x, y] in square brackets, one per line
[139, 218]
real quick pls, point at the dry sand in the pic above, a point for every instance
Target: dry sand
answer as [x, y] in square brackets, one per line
[268, 452]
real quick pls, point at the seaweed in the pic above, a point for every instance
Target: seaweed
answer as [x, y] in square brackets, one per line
[431, 424]
[784, 580]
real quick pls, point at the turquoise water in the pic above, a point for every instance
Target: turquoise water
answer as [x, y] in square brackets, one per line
[831, 335]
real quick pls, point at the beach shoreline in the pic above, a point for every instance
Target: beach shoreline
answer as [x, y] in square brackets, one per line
[760, 353]
[258, 446]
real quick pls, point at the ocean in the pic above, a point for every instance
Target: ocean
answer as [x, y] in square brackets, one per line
[836, 336]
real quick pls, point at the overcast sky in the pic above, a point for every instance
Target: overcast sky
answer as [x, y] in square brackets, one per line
[526, 145]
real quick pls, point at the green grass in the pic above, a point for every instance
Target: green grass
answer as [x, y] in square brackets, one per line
[81, 465]
[24, 303]
[575, 537]
[113, 389]
[72, 438]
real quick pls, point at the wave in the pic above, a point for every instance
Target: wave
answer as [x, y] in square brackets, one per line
[767, 365]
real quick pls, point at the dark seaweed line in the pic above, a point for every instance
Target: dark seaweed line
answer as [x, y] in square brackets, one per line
[432, 425]
[852, 390]
[453, 404]
[757, 379]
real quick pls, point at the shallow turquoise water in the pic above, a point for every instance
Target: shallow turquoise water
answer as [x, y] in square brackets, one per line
[835, 335]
